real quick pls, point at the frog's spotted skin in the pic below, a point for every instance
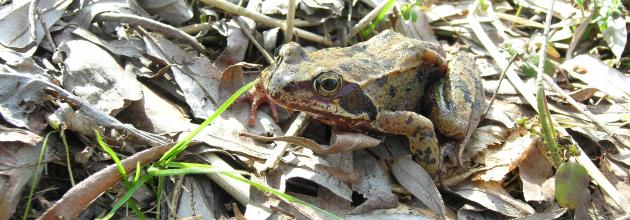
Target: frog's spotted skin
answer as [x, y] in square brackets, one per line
[388, 84]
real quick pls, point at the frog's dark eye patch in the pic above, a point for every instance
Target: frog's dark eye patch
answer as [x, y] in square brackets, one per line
[327, 83]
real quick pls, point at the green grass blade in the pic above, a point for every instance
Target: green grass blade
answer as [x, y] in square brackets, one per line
[111, 153]
[134, 187]
[35, 180]
[180, 146]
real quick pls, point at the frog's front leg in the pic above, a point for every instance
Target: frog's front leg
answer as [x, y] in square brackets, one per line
[419, 131]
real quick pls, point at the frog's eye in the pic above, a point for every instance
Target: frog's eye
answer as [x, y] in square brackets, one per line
[327, 83]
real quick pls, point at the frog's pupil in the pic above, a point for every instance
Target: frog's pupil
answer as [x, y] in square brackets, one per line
[329, 84]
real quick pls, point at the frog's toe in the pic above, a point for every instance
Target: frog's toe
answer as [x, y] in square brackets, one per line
[450, 150]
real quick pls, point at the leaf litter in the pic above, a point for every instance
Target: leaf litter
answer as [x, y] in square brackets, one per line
[124, 69]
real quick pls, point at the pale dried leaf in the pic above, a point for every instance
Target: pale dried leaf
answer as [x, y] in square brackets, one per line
[197, 198]
[94, 75]
[534, 170]
[17, 155]
[173, 11]
[18, 135]
[616, 35]
[21, 105]
[373, 184]
[236, 47]
[419, 183]
[491, 196]
[323, 179]
[400, 212]
[504, 159]
[196, 76]
[154, 113]
[483, 137]
[617, 174]
[600, 76]
[84, 17]
[16, 30]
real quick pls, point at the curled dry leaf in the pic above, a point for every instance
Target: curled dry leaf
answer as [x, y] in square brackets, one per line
[505, 159]
[340, 142]
[419, 183]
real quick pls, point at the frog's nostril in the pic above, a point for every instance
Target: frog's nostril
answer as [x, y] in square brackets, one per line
[289, 87]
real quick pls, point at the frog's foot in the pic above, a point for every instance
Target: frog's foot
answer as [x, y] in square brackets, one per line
[451, 150]
[257, 99]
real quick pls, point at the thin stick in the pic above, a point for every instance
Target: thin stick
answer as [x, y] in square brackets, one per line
[245, 29]
[288, 28]
[365, 21]
[152, 25]
[266, 20]
[296, 127]
[577, 35]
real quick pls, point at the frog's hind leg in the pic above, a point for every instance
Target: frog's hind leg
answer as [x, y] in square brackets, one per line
[455, 104]
[420, 133]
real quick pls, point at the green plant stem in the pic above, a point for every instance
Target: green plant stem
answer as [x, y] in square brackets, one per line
[549, 134]
[68, 162]
[36, 176]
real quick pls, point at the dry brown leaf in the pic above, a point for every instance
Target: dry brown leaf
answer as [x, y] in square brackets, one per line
[583, 94]
[341, 142]
[18, 153]
[534, 170]
[504, 159]
[419, 183]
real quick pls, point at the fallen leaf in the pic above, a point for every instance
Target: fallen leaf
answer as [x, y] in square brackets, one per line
[340, 142]
[373, 184]
[491, 196]
[600, 76]
[174, 12]
[419, 183]
[16, 40]
[583, 94]
[22, 104]
[504, 159]
[534, 170]
[94, 75]
[19, 151]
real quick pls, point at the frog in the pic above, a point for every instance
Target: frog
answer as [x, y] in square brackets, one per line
[389, 84]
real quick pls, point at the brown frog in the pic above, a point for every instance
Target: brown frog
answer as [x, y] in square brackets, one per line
[389, 84]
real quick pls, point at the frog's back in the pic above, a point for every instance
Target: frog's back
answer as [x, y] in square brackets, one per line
[391, 69]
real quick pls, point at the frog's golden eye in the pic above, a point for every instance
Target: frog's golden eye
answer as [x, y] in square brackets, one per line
[327, 83]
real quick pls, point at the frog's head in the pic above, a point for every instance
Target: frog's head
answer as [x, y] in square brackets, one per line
[316, 86]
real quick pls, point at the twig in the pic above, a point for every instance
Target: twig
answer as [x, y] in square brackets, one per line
[266, 20]
[245, 29]
[152, 25]
[32, 17]
[195, 28]
[295, 129]
[365, 21]
[288, 28]
[496, 90]
[83, 194]
[578, 35]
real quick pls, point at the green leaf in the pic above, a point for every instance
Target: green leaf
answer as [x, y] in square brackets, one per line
[571, 182]
[365, 33]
